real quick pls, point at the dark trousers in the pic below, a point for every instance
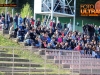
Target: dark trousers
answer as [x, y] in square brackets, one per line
[7, 28]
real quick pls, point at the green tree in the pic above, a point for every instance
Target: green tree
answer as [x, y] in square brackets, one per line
[3, 8]
[26, 10]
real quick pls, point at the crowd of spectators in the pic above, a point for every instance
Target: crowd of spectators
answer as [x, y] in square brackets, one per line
[33, 33]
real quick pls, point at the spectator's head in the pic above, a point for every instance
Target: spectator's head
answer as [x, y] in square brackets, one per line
[8, 13]
[86, 45]
[19, 16]
[58, 21]
[66, 44]
[90, 46]
[38, 19]
[16, 14]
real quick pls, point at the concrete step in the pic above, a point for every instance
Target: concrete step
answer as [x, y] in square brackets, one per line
[7, 55]
[15, 59]
[3, 51]
[19, 64]
[5, 31]
[7, 69]
[43, 73]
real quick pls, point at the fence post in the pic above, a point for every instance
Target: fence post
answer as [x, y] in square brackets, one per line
[91, 67]
[45, 62]
[72, 63]
[79, 62]
[59, 63]
[13, 63]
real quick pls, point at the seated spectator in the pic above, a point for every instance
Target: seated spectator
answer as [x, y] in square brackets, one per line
[37, 42]
[62, 45]
[11, 32]
[94, 54]
[67, 47]
[20, 35]
[59, 39]
[89, 50]
[48, 39]
[27, 41]
[72, 44]
[49, 46]
[53, 43]
[38, 31]
[44, 44]
[58, 45]
[78, 47]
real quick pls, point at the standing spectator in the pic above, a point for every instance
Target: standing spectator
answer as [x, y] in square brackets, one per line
[96, 30]
[20, 20]
[65, 25]
[2, 26]
[54, 25]
[11, 20]
[59, 26]
[32, 21]
[69, 26]
[24, 20]
[2, 14]
[28, 21]
[8, 20]
[51, 24]
[16, 21]
[38, 22]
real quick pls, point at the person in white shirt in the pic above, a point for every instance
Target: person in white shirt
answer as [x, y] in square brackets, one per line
[69, 26]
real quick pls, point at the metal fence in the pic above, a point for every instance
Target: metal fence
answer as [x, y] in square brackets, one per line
[33, 61]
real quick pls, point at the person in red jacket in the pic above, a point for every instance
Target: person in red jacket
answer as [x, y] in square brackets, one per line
[32, 22]
[78, 47]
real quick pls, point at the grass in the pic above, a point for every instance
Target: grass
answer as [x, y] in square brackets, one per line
[23, 53]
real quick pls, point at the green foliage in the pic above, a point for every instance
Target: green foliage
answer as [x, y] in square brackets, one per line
[26, 10]
[3, 8]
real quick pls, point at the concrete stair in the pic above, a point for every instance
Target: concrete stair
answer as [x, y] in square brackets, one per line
[7, 55]
[16, 59]
[36, 74]
[19, 66]
[10, 69]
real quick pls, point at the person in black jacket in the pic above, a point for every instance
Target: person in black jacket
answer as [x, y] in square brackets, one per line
[59, 26]
[7, 20]
[11, 20]
[24, 20]
[38, 22]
